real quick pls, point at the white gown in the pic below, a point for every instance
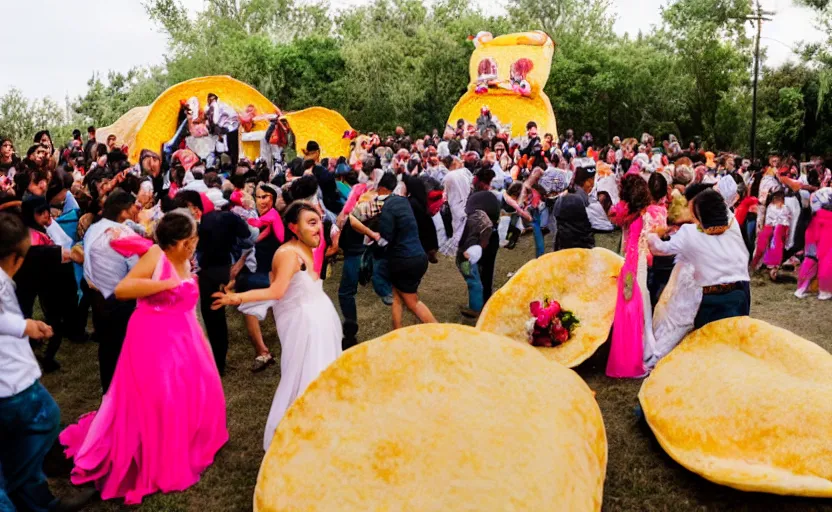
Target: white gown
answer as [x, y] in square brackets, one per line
[310, 338]
[675, 312]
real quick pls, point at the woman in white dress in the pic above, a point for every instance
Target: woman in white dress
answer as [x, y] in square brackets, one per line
[307, 322]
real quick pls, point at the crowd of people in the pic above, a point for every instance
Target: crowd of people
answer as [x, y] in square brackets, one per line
[140, 245]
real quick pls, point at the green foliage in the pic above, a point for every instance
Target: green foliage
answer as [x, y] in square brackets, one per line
[405, 62]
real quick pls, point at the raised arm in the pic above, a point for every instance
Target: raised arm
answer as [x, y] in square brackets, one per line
[139, 281]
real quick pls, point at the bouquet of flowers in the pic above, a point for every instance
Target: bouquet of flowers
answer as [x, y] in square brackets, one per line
[550, 325]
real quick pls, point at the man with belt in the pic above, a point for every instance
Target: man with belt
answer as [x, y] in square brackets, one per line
[103, 269]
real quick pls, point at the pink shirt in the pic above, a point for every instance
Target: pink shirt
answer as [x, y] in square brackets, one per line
[272, 224]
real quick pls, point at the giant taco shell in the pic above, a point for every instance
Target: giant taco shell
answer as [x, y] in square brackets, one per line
[581, 280]
[747, 405]
[438, 417]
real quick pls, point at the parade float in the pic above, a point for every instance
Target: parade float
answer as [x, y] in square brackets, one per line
[149, 127]
[746, 404]
[563, 303]
[434, 418]
[507, 77]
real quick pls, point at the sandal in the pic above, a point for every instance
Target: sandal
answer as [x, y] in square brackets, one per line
[262, 362]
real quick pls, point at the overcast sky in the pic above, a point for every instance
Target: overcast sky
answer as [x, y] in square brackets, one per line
[75, 39]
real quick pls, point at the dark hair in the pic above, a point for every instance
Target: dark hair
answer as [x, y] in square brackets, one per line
[485, 175]
[293, 213]
[635, 192]
[31, 207]
[710, 209]
[188, 198]
[61, 180]
[90, 128]
[308, 164]
[33, 148]
[696, 189]
[13, 235]
[268, 189]
[175, 226]
[212, 179]
[39, 135]
[416, 189]
[530, 125]
[658, 186]
[388, 181]
[117, 202]
[76, 133]
[100, 150]
[302, 188]
[515, 189]
[584, 174]
[604, 199]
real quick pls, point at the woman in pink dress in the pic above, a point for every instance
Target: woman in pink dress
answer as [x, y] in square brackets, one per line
[162, 420]
[632, 333]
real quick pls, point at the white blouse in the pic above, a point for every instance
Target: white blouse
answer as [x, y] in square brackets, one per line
[778, 215]
[717, 259]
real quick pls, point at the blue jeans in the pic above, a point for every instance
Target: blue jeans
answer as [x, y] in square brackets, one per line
[349, 286]
[471, 274]
[29, 425]
[381, 278]
[539, 244]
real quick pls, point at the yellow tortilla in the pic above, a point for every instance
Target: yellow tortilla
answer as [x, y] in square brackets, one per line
[747, 405]
[438, 417]
[581, 280]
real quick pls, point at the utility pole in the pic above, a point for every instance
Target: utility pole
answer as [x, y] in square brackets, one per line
[757, 18]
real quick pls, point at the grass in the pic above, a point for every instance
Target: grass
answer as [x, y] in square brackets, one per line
[640, 476]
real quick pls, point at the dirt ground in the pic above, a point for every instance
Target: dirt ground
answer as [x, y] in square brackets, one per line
[640, 476]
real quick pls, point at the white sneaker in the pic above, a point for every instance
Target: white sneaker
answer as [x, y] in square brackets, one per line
[801, 294]
[824, 296]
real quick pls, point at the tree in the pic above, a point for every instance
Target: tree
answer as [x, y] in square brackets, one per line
[709, 38]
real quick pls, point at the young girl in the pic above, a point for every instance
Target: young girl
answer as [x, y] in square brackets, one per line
[818, 260]
[772, 239]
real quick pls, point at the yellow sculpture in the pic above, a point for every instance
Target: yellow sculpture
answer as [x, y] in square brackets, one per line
[747, 405]
[581, 280]
[438, 418]
[508, 74]
[151, 126]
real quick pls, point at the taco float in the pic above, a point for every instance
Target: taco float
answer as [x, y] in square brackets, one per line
[438, 417]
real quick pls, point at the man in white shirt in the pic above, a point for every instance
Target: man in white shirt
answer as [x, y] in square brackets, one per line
[226, 125]
[103, 269]
[457, 189]
[29, 417]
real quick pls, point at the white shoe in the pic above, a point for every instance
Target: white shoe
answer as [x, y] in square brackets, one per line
[801, 294]
[824, 296]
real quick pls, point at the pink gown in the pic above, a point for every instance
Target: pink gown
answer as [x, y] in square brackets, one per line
[163, 419]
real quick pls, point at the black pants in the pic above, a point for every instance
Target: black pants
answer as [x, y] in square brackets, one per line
[486, 264]
[724, 305]
[210, 280]
[110, 317]
[58, 295]
[232, 140]
[658, 276]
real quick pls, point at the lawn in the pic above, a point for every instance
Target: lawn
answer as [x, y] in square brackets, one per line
[640, 476]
